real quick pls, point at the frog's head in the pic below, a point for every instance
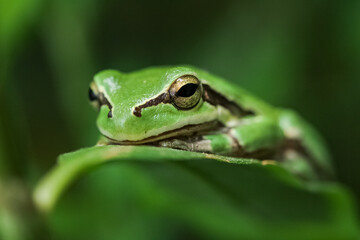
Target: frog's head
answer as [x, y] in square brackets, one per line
[150, 104]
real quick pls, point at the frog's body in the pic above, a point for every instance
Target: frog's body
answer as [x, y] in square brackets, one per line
[187, 108]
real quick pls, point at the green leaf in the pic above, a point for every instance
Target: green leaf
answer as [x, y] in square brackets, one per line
[217, 196]
[71, 165]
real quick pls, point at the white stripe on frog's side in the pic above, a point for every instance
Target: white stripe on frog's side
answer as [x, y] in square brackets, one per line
[187, 130]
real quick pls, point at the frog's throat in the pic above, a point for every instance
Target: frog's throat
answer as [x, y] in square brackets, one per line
[188, 130]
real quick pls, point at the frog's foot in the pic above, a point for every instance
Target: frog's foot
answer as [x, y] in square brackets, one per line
[269, 162]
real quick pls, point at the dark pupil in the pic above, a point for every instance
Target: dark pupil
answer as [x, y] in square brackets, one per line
[92, 95]
[187, 90]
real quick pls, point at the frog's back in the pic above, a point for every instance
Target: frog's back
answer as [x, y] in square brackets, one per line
[295, 128]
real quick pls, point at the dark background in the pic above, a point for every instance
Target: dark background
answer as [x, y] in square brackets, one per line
[303, 55]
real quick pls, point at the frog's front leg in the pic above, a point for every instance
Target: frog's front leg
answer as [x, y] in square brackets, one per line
[255, 137]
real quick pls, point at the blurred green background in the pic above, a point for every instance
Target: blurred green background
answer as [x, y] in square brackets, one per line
[299, 54]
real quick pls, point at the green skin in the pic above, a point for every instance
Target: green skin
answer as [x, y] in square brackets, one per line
[253, 130]
[145, 113]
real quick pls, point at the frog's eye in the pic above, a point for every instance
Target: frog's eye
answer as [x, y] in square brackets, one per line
[97, 99]
[186, 92]
[94, 96]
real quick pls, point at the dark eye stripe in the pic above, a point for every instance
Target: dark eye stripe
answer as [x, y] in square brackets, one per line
[187, 90]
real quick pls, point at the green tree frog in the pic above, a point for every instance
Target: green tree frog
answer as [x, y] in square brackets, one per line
[186, 108]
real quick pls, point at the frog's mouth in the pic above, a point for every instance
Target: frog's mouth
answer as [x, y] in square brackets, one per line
[188, 130]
